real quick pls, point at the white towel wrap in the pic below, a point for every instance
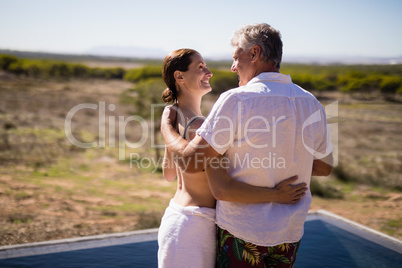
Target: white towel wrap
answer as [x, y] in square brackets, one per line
[187, 237]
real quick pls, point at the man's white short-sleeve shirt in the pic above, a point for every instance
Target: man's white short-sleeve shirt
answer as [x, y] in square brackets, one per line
[270, 130]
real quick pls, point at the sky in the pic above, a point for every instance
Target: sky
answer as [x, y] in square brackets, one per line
[359, 28]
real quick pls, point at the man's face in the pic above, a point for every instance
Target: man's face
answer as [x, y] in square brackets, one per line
[242, 65]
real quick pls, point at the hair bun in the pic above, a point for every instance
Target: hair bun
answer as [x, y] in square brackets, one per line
[167, 95]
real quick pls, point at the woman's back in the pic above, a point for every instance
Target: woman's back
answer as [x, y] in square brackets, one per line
[192, 189]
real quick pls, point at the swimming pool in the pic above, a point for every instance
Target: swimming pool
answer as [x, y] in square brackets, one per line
[329, 241]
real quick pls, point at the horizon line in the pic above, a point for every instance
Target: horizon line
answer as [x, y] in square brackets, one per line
[291, 58]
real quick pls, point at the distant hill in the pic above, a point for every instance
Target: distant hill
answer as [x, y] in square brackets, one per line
[155, 56]
[132, 52]
[342, 60]
[102, 59]
[76, 57]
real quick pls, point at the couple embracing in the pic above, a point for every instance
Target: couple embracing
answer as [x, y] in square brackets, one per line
[235, 207]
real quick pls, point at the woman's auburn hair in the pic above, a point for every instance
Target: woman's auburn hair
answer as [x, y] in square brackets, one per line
[177, 60]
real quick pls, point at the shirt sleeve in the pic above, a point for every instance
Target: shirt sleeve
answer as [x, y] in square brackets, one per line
[220, 127]
[315, 134]
[322, 137]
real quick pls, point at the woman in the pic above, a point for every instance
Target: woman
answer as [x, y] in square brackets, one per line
[187, 234]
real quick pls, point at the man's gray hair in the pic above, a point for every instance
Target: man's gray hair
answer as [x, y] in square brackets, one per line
[263, 35]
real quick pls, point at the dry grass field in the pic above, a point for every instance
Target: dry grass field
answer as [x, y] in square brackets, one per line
[51, 189]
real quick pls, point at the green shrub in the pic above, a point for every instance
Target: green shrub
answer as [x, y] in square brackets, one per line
[80, 71]
[107, 73]
[16, 68]
[314, 82]
[96, 72]
[399, 90]
[143, 95]
[303, 80]
[222, 81]
[54, 69]
[348, 78]
[384, 83]
[32, 69]
[323, 83]
[342, 175]
[374, 80]
[136, 75]
[324, 191]
[115, 73]
[6, 60]
[390, 84]
[352, 84]
[59, 70]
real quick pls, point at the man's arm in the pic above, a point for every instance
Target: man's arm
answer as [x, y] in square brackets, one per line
[191, 156]
[227, 189]
[323, 167]
[195, 156]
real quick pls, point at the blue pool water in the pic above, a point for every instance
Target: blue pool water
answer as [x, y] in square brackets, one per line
[141, 254]
[325, 244]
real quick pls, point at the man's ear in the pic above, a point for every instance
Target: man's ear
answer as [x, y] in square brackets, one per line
[178, 76]
[255, 52]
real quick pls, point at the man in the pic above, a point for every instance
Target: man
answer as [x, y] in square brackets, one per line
[268, 129]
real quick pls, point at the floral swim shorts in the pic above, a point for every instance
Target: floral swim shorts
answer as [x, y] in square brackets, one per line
[234, 252]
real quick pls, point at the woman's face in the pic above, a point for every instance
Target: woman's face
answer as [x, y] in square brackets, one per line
[196, 78]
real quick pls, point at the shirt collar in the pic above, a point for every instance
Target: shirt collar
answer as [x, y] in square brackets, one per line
[272, 77]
